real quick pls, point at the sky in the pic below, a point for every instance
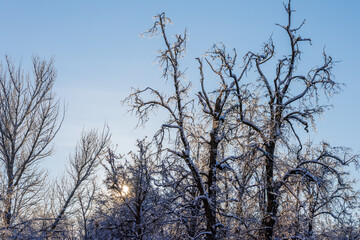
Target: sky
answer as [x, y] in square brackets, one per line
[99, 55]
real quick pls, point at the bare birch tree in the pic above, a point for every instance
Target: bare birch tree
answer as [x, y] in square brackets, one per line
[29, 121]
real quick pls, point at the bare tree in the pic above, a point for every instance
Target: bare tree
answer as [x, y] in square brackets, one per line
[83, 163]
[281, 109]
[28, 123]
[177, 106]
[270, 112]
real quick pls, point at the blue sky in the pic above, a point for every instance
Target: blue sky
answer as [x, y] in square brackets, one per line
[99, 54]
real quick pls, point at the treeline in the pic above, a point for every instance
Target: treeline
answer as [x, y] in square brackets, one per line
[228, 162]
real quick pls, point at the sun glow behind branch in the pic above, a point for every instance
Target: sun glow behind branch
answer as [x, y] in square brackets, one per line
[124, 190]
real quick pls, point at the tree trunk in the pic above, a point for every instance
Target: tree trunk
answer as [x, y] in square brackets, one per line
[7, 211]
[212, 181]
[269, 218]
[7, 215]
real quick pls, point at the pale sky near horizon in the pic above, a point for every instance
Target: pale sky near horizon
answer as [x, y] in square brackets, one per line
[99, 55]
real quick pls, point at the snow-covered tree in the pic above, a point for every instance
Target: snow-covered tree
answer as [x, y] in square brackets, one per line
[244, 136]
[133, 208]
